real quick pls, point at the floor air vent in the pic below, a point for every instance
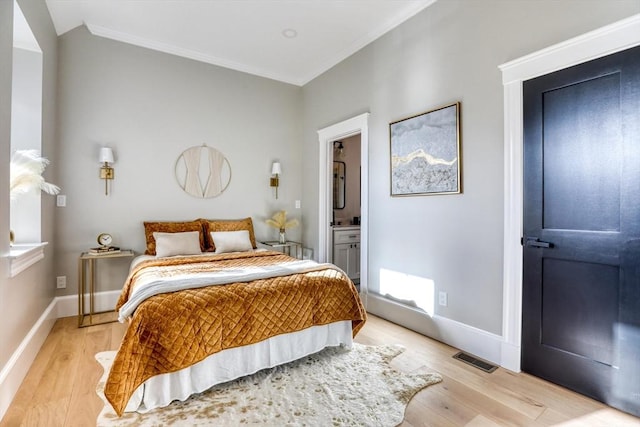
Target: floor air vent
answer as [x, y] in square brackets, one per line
[473, 361]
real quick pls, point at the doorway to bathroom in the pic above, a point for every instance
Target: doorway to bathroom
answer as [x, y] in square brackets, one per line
[350, 233]
[346, 195]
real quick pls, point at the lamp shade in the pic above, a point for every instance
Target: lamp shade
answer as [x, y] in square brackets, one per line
[106, 155]
[275, 168]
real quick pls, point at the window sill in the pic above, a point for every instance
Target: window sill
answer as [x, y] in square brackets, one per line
[24, 255]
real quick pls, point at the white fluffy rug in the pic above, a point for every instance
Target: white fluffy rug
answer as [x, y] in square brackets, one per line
[335, 387]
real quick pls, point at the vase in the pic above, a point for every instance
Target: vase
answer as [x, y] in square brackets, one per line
[283, 237]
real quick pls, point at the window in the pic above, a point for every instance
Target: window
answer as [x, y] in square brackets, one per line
[26, 134]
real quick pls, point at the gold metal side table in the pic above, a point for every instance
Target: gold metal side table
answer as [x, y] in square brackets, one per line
[87, 261]
[290, 248]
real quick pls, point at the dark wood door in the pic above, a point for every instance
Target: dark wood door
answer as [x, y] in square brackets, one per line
[581, 279]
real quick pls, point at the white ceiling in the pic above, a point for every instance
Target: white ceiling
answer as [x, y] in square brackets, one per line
[244, 35]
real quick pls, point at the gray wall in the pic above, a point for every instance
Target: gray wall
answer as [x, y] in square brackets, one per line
[449, 52]
[24, 298]
[149, 107]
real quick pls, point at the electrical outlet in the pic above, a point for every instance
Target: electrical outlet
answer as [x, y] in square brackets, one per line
[297, 204]
[61, 282]
[61, 201]
[442, 298]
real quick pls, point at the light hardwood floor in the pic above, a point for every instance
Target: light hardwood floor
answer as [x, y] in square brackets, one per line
[59, 390]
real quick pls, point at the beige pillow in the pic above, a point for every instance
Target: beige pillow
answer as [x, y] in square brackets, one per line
[171, 244]
[231, 241]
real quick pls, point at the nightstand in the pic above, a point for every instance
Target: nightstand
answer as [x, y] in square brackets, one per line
[87, 263]
[290, 248]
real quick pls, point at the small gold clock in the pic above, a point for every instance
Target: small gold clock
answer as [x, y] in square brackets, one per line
[105, 239]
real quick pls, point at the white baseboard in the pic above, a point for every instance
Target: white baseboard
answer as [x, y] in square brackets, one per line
[16, 369]
[68, 305]
[476, 341]
[18, 365]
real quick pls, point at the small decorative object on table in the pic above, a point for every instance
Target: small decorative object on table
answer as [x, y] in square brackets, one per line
[279, 221]
[104, 250]
[104, 240]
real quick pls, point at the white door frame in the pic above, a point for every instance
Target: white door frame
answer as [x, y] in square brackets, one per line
[612, 38]
[326, 136]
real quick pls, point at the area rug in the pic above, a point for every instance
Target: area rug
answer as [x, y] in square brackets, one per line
[335, 387]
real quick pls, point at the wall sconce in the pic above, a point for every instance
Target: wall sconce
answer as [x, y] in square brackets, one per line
[338, 148]
[275, 180]
[106, 171]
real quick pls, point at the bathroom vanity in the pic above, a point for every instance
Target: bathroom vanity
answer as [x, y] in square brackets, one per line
[346, 250]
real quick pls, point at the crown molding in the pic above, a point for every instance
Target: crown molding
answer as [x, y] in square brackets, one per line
[108, 33]
[298, 80]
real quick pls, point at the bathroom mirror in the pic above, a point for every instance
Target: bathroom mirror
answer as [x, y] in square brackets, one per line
[339, 171]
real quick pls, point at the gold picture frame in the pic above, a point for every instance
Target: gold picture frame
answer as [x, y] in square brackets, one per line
[425, 153]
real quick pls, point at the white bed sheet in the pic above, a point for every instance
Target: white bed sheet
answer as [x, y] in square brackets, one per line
[233, 363]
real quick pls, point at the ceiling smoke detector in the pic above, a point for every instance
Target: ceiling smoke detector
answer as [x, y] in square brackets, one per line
[290, 33]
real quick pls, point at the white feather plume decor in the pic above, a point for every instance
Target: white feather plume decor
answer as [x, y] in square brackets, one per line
[26, 171]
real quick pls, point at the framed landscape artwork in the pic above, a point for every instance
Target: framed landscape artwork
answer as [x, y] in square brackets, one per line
[425, 153]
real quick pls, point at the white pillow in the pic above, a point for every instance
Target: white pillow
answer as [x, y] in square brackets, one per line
[231, 241]
[170, 244]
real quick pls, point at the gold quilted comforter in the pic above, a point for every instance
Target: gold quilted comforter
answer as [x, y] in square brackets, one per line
[172, 331]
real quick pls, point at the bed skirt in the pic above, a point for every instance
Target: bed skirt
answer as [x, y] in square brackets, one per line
[233, 363]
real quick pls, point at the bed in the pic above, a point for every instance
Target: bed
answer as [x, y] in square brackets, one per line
[204, 306]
